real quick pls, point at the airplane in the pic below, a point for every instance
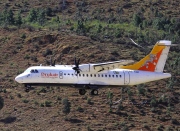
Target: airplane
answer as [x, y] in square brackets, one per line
[99, 75]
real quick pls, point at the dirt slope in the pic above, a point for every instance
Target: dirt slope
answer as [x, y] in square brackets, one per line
[41, 108]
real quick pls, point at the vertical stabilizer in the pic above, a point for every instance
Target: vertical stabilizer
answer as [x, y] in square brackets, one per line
[163, 57]
[155, 60]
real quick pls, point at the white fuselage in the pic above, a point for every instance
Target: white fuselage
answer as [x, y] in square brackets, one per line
[65, 75]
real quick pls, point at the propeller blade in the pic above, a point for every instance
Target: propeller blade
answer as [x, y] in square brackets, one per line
[74, 60]
[54, 63]
[78, 62]
[51, 61]
[76, 68]
[136, 43]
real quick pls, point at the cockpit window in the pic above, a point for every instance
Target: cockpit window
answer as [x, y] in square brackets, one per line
[34, 71]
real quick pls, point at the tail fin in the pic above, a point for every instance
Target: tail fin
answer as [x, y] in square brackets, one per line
[155, 60]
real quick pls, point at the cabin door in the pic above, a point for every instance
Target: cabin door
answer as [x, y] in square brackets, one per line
[126, 77]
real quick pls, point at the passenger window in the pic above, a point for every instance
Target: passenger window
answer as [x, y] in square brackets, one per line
[87, 75]
[109, 75]
[64, 73]
[119, 75]
[91, 75]
[32, 71]
[102, 75]
[79, 74]
[94, 75]
[105, 75]
[83, 75]
[98, 75]
[116, 75]
[36, 71]
[112, 75]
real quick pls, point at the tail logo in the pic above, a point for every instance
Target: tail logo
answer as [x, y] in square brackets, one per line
[150, 64]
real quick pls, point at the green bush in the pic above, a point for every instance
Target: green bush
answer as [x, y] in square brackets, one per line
[153, 102]
[48, 103]
[25, 100]
[136, 20]
[66, 106]
[1, 102]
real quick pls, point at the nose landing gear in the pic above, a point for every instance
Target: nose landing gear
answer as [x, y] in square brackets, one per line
[82, 91]
[27, 88]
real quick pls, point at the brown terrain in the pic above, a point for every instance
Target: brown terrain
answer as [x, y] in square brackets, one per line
[152, 106]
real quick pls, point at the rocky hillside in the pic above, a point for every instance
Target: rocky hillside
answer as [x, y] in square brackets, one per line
[31, 32]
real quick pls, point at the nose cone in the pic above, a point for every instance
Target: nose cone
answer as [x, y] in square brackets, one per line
[18, 79]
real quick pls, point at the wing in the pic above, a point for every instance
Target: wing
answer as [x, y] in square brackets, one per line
[111, 65]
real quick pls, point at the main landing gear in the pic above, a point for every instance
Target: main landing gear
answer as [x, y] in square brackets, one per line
[83, 92]
[94, 92]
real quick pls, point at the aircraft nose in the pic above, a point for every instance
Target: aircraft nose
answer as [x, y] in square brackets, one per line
[18, 79]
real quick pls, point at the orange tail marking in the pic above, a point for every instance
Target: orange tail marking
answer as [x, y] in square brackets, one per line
[148, 63]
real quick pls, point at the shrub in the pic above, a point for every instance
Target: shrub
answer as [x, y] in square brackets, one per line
[25, 100]
[89, 101]
[153, 102]
[66, 106]
[136, 20]
[141, 89]
[32, 17]
[125, 128]
[48, 103]
[174, 121]
[119, 108]
[47, 52]
[80, 109]
[23, 36]
[19, 95]
[49, 11]
[1, 102]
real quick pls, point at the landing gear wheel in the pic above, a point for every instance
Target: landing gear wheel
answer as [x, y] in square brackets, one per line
[27, 88]
[94, 92]
[82, 91]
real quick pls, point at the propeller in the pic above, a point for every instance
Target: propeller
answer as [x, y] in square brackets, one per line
[52, 63]
[145, 50]
[76, 68]
[136, 43]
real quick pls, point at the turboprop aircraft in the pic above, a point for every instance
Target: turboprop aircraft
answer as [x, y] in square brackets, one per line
[98, 75]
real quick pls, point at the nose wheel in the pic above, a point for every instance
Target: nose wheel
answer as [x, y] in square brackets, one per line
[27, 88]
[82, 91]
